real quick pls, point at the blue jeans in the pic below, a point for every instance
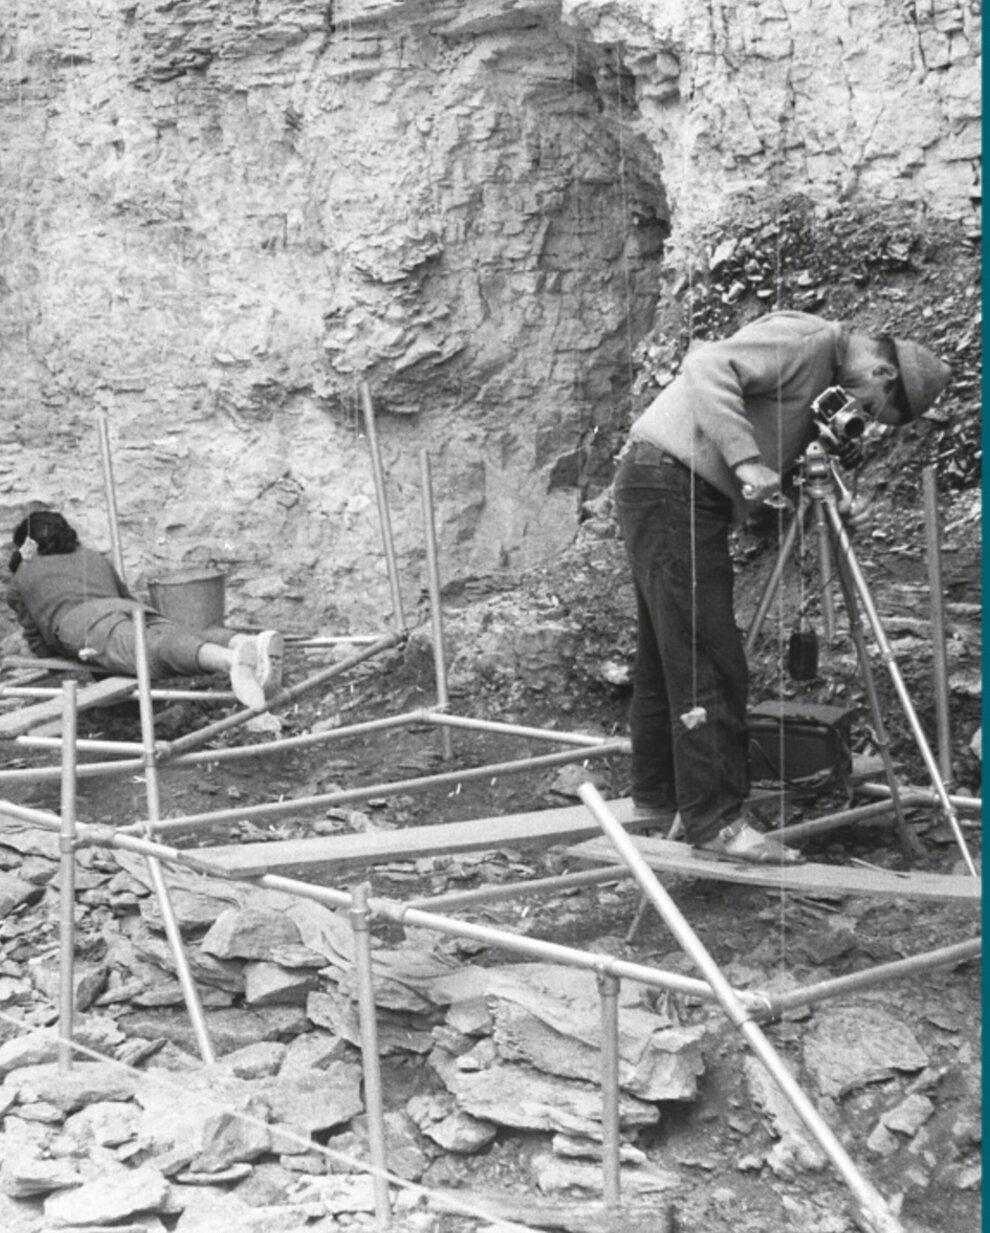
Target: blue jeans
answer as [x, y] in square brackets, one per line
[690, 681]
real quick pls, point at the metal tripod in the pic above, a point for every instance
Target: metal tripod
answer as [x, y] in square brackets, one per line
[821, 489]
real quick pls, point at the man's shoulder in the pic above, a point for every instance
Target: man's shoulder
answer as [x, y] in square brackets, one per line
[792, 321]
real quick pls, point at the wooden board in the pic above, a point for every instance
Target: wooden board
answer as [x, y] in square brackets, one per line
[103, 693]
[51, 664]
[339, 852]
[807, 879]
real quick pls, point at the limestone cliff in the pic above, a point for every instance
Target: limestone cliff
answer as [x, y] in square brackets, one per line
[217, 218]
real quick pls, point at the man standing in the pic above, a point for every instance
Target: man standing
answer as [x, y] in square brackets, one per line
[708, 449]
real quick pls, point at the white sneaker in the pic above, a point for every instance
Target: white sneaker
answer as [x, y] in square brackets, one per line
[243, 677]
[269, 650]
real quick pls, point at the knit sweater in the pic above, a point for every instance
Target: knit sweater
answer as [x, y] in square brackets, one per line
[56, 598]
[746, 397]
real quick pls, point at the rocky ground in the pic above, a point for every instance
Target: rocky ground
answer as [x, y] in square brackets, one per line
[490, 1060]
[490, 1063]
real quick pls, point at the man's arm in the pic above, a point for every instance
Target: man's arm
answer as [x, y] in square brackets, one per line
[32, 634]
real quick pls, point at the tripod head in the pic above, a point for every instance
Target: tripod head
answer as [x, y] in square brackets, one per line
[820, 478]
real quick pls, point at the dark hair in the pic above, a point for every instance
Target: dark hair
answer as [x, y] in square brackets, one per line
[49, 530]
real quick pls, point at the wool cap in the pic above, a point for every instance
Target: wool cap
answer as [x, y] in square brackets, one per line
[923, 377]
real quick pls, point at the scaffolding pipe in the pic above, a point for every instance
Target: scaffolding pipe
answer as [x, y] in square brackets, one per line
[545, 734]
[172, 931]
[284, 744]
[160, 695]
[383, 513]
[86, 770]
[433, 586]
[208, 757]
[306, 643]
[829, 822]
[373, 1100]
[858, 583]
[940, 665]
[534, 948]
[86, 745]
[89, 835]
[924, 796]
[946, 956]
[279, 808]
[67, 882]
[170, 749]
[111, 492]
[608, 989]
[874, 1206]
[512, 890]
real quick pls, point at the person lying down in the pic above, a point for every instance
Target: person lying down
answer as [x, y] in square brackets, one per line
[70, 601]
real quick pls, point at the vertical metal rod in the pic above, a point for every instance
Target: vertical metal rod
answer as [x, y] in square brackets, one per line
[369, 1052]
[383, 514]
[876, 625]
[433, 583]
[608, 988]
[67, 878]
[111, 491]
[873, 1203]
[940, 667]
[172, 931]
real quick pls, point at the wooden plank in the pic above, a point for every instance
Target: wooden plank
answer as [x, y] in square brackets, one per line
[809, 879]
[339, 852]
[103, 693]
[51, 664]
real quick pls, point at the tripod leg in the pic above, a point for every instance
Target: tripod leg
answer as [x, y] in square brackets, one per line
[773, 582]
[910, 845]
[825, 567]
[858, 581]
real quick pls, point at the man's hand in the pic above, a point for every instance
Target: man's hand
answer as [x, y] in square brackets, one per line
[850, 453]
[758, 481]
[857, 512]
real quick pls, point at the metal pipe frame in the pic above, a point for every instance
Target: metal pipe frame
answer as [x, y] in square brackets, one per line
[872, 1204]
[282, 745]
[280, 808]
[410, 913]
[739, 1006]
[189, 991]
[171, 749]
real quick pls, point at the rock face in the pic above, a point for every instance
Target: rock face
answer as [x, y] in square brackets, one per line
[217, 221]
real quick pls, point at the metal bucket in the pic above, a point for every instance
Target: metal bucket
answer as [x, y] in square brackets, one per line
[193, 598]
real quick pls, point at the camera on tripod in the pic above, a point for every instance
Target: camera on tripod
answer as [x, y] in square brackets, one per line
[838, 418]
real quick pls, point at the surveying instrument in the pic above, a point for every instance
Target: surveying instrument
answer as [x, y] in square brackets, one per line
[823, 495]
